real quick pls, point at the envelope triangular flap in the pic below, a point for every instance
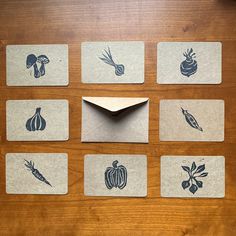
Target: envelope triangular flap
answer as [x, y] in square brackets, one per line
[115, 104]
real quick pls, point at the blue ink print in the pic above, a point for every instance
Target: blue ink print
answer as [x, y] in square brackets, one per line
[35, 172]
[116, 176]
[107, 58]
[195, 172]
[36, 122]
[189, 66]
[32, 60]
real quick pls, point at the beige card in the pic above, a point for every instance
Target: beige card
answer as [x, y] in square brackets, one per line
[36, 173]
[113, 62]
[115, 175]
[193, 176]
[189, 63]
[37, 65]
[112, 119]
[37, 120]
[191, 120]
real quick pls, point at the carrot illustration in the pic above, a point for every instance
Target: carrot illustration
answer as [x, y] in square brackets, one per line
[35, 172]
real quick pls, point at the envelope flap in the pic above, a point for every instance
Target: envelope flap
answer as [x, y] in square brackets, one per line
[114, 104]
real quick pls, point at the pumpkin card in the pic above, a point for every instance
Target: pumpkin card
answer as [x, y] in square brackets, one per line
[37, 120]
[189, 63]
[193, 176]
[112, 62]
[115, 175]
[114, 119]
[37, 65]
[191, 120]
[36, 173]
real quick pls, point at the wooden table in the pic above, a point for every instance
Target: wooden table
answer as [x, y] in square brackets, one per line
[72, 22]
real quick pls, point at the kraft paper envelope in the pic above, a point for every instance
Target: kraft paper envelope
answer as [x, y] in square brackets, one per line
[189, 63]
[37, 65]
[112, 62]
[115, 175]
[191, 120]
[193, 176]
[112, 119]
[36, 173]
[37, 120]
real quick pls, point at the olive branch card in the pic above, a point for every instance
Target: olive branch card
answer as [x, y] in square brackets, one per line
[112, 62]
[37, 120]
[36, 173]
[191, 120]
[189, 63]
[115, 175]
[37, 65]
[193, 176]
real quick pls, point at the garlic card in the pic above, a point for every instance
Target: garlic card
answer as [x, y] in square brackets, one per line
[189, 63]
[37, 65]
[36, 173]
[112, 62]
[191, 120]
[115, 175]
[193, 176]
[37, 120]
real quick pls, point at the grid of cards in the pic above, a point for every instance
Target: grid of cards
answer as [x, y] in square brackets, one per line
[116, 119]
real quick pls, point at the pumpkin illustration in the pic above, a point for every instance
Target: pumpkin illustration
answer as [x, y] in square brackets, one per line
[189, 66]
[116, 176]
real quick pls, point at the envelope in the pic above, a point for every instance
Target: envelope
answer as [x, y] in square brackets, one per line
[113, 119]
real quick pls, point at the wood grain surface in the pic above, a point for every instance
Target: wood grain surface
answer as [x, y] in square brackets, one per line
[72, 22]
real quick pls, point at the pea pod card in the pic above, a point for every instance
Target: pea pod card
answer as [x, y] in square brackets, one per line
[112, 62]
[191, 120]
[37, 120]
[193, 176]
[189, 63]
[115, 175]
[37, 65]
[36, 173]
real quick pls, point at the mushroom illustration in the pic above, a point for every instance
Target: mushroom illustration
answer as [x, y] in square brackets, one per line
[31, 61]
[43, 60]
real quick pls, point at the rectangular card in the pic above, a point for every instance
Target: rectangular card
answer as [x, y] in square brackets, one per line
[191, 120]
[37, 65]
[36, 173]
[112, 62]
[37, 120]
[193, 176]
[112, 119]
[189, 63]
[115, 175]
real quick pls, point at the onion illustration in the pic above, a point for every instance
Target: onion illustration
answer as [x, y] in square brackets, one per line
[189, 66]
[36, 122]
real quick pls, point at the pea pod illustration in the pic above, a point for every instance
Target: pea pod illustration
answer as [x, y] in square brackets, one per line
[191, 120]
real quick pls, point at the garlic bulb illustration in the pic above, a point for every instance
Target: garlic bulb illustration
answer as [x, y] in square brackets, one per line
[36, 122]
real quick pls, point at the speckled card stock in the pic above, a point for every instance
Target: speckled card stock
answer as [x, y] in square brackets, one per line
[191, 120]
[193, 176]
[113, 62]
[112, 119]
[37, 120]
[36, 173]
[37, 65]
[115, 175]
[189, 63]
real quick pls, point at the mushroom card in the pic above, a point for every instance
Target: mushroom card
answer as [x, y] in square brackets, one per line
[37, 120]
[36, 173]
[115, 119]
[115, 175]
[193, 176]
[113, 62]
[37, 65]
[191, 120]
[189, 63]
